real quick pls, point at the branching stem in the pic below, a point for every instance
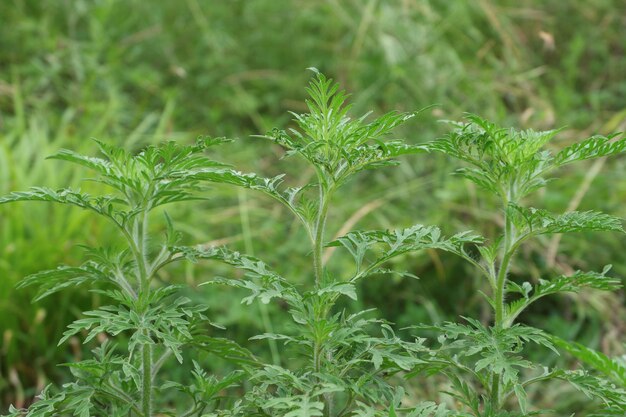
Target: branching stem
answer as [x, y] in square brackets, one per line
[318, 265]
[508, 250]
[138, 247]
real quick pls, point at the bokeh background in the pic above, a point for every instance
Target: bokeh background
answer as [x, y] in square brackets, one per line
[136, 72]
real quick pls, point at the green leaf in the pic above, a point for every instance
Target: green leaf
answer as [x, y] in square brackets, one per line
[264, 283]
[47, 404]
[225, 348]
[576, 282]
[79, 399]
[105, 205]
[55, 280]
[344, 288]
[297, 406]
[594, 147]
[532, 221]
[390, 244]
[337, 145]
[430, 409]
[593, 387]
[512, 163]
[109, 319]
[494, 350]
[522, 397]
[498, 156]
[614, 369]
[205, 389]
[156, 176]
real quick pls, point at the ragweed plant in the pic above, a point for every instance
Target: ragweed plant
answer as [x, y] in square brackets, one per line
[123, 380]
[485, 364]
[341, 361]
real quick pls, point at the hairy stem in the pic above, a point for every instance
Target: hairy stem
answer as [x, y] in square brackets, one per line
[318, 266]
[139, 245]
[146, 377]
[318, 240]
[508, 249]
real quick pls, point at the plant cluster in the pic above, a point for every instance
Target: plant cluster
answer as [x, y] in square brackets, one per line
[341, 364]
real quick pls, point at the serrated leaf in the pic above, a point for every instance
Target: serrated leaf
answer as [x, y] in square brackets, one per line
[105, 205]
[522, 397]
[512, 163]
[576, 282]
[261, 281]
[594, 147]
[55, 280]
[344, 288]
[336, 144]
[532, 221]
[389, 244]
[593, 387]
[614, 369]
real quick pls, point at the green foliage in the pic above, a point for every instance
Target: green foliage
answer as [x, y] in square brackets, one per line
[336, 145]
[486, 365]
[158, 322]
[491, 351]
[511, 163]
[341, 363]
[576, 282]
[133, 72]
[206, 390]
[395, 243]
[612, 368]
[531, 222]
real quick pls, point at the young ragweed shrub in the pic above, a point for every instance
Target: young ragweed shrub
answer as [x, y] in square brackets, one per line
[159, 322]
[485, 364]
[343, 360]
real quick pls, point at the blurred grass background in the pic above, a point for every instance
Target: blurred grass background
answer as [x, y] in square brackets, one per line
[135, 72]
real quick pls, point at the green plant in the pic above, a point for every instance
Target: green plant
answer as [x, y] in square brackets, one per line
[109, 69]
[340, 368]
[341, 363]
[486, 365]
[123, 379]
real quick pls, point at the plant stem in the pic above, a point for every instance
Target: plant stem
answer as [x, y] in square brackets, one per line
[146, 395]
[140, 256]
[500, 286]
[139, 243]
[507, 250]
[321, 311]
[318, 241]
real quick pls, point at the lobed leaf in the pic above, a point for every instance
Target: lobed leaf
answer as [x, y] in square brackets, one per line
[593, 387]
[512, 163]
[225, 348]
[107, 205]
[532, 221]
[614, 369]
[563, 283]
[262, 282]
[337, 145]
[390, 244]
[54, 280]
[494, 350]
[594, 147]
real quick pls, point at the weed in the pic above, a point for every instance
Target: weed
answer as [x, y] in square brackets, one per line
[345, 368]
[486, 364]
[124, 380]
[341, 364]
